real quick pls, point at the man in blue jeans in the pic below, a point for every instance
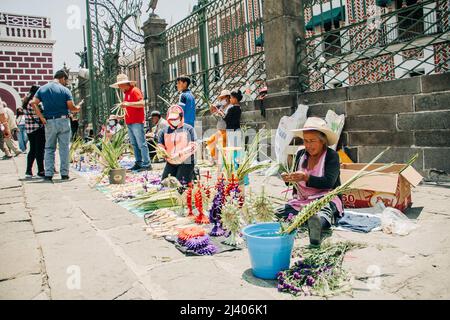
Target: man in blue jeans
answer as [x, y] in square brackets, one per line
[57, 101]
[134, 104]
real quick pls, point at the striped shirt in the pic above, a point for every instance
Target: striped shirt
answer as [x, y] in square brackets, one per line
[32, 121]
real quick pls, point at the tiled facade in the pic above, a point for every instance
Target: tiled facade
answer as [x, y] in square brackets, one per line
[26, 55]
[382, 66]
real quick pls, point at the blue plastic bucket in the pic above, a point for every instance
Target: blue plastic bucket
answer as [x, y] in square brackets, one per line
[269, 252]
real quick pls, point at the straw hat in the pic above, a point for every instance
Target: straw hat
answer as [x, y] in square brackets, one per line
[122, 79]
[112, 117]
[318, 124]
[224, 93]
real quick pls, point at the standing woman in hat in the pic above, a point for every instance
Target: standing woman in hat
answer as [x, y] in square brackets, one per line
[317, 172]
[36, 135]
[134, 105]
[219, 111]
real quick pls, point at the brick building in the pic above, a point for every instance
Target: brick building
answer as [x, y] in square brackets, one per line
[26, 55]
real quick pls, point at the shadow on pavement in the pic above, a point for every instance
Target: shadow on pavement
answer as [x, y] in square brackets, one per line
[250, 278]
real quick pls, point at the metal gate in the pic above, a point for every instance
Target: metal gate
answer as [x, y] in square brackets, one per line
[353, 42]
[220, 45]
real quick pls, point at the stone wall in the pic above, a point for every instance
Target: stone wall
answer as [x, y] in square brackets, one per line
[409, 115]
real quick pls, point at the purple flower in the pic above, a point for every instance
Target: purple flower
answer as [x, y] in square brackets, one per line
[209, 250]
[197, 243]
[297, 275]
[310, 281]
[279, 287]
[217, 230]
[290, 217]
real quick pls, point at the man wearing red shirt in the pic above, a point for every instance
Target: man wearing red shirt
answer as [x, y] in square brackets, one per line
[133, 103]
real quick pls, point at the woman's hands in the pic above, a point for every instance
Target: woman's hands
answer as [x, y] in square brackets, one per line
[297, 176]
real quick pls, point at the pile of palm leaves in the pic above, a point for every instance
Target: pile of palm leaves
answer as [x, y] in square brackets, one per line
[158, 199]
[111, 151]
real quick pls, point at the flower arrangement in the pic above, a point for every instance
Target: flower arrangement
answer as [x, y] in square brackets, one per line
[319, 271]
[262, 208]
[196, 240]
[189, 192]
[216, 209]
[231, 220]
[200, 200]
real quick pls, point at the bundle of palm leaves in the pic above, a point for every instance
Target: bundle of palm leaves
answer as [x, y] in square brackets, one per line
[158, 199]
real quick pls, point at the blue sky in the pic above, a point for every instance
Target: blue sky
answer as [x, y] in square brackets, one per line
[70, 39]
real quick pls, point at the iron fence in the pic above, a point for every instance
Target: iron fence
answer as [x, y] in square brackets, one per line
[220, 46]
[342, 48]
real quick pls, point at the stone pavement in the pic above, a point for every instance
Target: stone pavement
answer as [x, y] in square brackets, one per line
[65, 240]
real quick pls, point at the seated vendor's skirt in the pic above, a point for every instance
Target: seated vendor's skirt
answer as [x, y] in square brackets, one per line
[328, 215]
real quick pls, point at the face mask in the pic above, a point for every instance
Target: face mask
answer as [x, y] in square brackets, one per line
[175, 123]
[111, 123]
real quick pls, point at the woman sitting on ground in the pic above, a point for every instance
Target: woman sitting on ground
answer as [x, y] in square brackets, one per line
[317, 172]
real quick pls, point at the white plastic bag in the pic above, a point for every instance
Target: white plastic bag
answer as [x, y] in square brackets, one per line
[284, 135]
[393, 221]
[336, 123]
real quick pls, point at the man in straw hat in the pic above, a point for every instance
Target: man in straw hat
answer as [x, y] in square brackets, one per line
[134, 104]
[317, 171]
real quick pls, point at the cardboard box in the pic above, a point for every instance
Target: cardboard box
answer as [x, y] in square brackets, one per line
[392, 186]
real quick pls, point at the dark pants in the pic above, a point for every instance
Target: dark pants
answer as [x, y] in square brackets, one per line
[328, 214]
[183, 172]
[37, 150]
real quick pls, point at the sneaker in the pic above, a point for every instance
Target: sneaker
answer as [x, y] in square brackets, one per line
[7, 157]
[41, 174]
[135, 167]
[47, 178]
[146, 168]
[65, 177]
[315, 230]
[28, 175]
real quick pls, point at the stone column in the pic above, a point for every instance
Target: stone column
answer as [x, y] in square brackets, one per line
[283, 24]
[154, 55]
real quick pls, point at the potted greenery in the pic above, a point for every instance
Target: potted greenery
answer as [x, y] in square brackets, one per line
[109, 154]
